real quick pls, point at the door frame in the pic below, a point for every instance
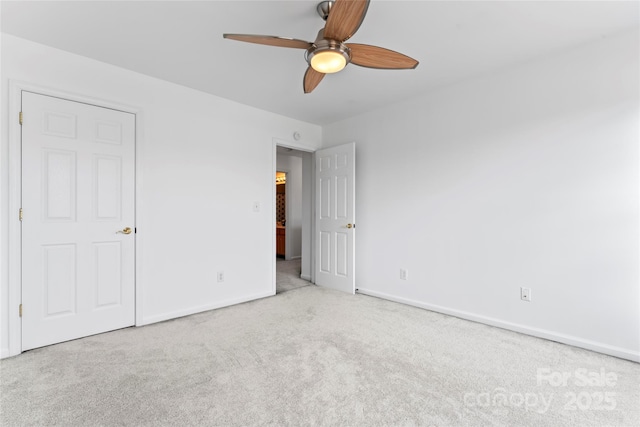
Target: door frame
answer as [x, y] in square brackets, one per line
[10, 310]
[277, 142]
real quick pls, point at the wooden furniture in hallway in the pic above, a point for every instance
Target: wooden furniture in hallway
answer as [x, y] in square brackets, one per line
[280, 240]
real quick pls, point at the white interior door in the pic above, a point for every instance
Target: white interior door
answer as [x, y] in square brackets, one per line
[78, 190]
[335, 217]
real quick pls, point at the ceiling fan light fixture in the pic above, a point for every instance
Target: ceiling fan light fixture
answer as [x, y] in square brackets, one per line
[328, 61]
[328, 56]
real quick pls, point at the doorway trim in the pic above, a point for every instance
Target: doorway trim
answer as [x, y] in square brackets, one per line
[277, 142]
[10, 310]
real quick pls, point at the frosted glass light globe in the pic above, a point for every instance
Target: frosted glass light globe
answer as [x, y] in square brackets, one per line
[328, 62]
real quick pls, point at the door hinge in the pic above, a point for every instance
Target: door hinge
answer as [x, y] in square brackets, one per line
[20, 214]
[20, 310]
[20, 117]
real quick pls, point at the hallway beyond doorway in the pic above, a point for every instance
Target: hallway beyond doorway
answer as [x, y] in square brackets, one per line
[288, 275]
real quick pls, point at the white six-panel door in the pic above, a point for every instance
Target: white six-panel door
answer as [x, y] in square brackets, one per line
[78, 190]
[335, 217]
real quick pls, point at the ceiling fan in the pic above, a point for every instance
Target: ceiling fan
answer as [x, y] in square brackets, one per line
[328, 53]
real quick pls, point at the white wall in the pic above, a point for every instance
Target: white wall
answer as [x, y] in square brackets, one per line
[527, 177]
[292, 165]
[192, 222]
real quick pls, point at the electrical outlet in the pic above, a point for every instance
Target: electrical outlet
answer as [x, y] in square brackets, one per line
[220, 276]
[255, 207]
[525, 294]
[404, 274]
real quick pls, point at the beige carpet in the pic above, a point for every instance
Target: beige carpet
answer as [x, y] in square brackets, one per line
[312, 356]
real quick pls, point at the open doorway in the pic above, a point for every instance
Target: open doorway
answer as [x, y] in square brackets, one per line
[293, 219]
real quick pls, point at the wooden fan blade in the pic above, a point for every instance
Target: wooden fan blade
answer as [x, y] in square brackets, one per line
[312, 78]
[366, 55]
[269, 40]
[345, 18]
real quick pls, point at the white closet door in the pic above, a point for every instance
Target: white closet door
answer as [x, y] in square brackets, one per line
[78, 192]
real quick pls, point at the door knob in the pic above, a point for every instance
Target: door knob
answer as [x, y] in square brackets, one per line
[349, 225]
[126, 230]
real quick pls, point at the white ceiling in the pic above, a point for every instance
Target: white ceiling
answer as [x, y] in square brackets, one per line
[181, 41]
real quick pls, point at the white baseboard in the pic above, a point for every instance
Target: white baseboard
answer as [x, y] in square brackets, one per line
[622, 353]
[305, 277]
[199, 309]
[4, 353]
